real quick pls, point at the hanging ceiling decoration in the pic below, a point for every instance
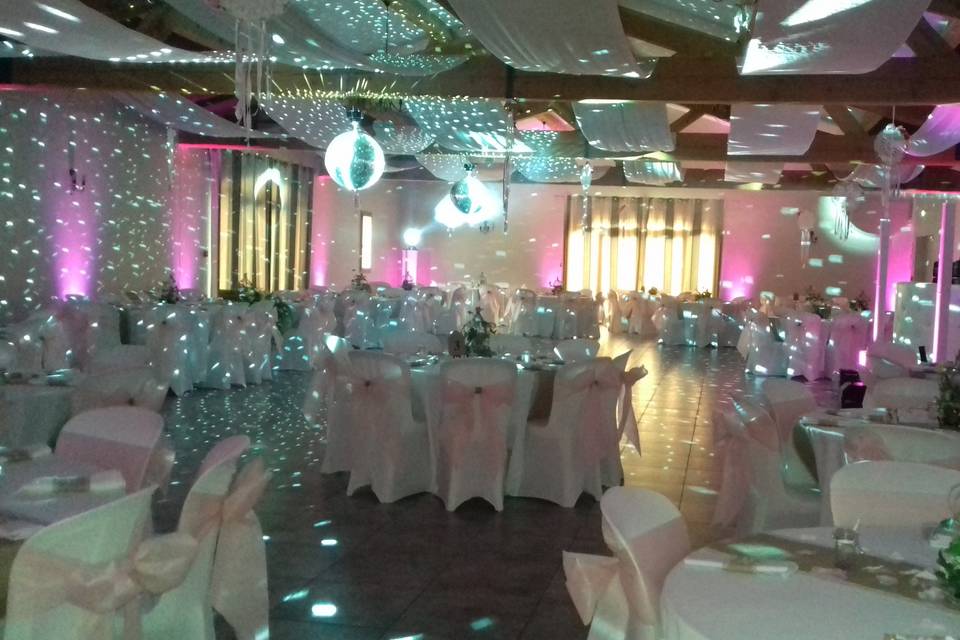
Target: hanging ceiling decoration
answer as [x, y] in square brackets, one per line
[655, 173]
[772, 129]
[250, 50]
[852, 197]
[446, 167]
[469, 203]
[315, 121]
[475, 126]
[183, 115]
[401, 139]
[891, 147]
[354, 160]
[618, 125]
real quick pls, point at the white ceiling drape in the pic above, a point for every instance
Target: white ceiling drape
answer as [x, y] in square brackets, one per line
[314, 121]
[181, 114]
[74, 29]
[401, 139]
[653, 172]
[870, 175]
[640, 127]
[772, 129]
[448, 167]
[718, 18]
[939, 132]
[762, 172]
[828, 36]
[562, 36]
[468, 125]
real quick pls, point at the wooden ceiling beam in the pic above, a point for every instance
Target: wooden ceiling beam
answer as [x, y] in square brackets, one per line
[901, 81]
[695, 113]
[924, 41]
[842, 117]
[949, 8]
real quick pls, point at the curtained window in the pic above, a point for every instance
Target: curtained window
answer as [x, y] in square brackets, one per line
[672, 244]
[266, 208]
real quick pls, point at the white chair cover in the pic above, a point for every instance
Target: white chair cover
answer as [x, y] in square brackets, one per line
[564, 458]
[806, 344]
[849, 335]
[445, 322]
[766, 354]
[409, 343]
[460, 305]
[136, 387]
[170, 340]
[788, 401]
[888, 360]
[668, 320]
[470, 440]
[489, 302]
[359, 326]
[894, 494]
[41, 342]
[303, 344]
[122, 438]
[752, 492]
[413, 314]
[577, 350]
[225, 362]
[259, 330]
[66, 580]
[614, 314]
[727, 322]
[524, 321]
[619, 597]
[389, 450]
[914, 399]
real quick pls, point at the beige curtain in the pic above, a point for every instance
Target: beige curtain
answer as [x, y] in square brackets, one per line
[265, 214]
[672, 244]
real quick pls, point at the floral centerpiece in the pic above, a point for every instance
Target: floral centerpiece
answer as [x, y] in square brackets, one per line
[702, 295]
[169, 291]
[359, 283]
[556, 287]
[653, 291]
[477, 334]
[247, 292]
[948, 569]
[948, 401]
[817, 303]
[860, 303]
[408, 283]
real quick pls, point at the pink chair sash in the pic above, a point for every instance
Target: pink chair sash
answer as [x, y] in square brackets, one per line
[733, 447]
[477, 419]
[628, 419]
[595, 443]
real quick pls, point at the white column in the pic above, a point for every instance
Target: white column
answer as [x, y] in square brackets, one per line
[941, 318]
[880, 293]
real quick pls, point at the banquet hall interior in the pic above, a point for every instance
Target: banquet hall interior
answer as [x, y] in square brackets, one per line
[449, 319]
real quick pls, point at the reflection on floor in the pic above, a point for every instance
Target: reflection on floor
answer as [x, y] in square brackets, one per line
[353, 569]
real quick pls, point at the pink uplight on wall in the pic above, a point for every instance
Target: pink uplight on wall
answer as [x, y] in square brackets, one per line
[74, 227]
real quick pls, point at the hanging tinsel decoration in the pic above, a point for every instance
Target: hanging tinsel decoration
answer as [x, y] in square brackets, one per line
[508, 163]
[851, 197]
[250, 50]
[891, 146]
[806, 220]
[586, 179]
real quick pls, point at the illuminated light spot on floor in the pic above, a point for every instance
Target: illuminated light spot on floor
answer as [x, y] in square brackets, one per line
[481, 623]
[323, 610]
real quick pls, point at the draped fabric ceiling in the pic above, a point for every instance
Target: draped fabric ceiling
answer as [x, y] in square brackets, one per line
[423, 38]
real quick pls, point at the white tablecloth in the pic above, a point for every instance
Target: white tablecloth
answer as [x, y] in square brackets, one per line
[32, 414]
[54, 508]
[712, 604]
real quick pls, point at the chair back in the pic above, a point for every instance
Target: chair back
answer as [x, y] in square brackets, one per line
[122, 438]
[849, 335]
[890, 494]
[577, 350]
[913, 398]
[94, 538]
[133, 387]
[648, 535]
[888, 360]
[585, 399]
[787, 401]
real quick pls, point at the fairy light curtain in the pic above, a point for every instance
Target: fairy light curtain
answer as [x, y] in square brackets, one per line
[266, 208]
[626, 243]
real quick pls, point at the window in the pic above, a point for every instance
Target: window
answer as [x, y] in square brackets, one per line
[366, 240]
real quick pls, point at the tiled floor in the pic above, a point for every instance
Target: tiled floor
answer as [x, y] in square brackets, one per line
[353, 569]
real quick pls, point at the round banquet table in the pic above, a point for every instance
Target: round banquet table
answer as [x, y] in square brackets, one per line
[713, 604]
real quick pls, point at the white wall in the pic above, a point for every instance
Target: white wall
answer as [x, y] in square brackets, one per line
[111, 236]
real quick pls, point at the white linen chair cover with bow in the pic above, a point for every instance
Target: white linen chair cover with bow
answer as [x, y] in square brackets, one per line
[698, 323]
[41, 342]
[634, 312]
[788, 401]
[320, 393]
[133, 387]
[303, 344]
[567, 321]
[766, 355]
[220, 551]
[616, 322]
[564, 458]
[914, 399]
[669, 321]
[489, 303]
[619, 597]
[444, 321]
[470, 440]
[893, 494]
[330, 391]
[413, 314]
[504, 345]
[122, 438]
[359, 326]
[91, 327]
[524, 321]
[199, 343]
[169, 342]
[806, 345]
[752, 493]
[577, 350]
[68, 581]
[389, 450]
[260, 336]
[849, 335]
[460, 305]
[727, 321]
[225, 362]
[409, 343]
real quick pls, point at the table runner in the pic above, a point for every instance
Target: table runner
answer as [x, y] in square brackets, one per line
[893, 577]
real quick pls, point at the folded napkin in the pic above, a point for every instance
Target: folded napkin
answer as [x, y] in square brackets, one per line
[23, 454]
[17, 530]
[99, 482]
[738, 565]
